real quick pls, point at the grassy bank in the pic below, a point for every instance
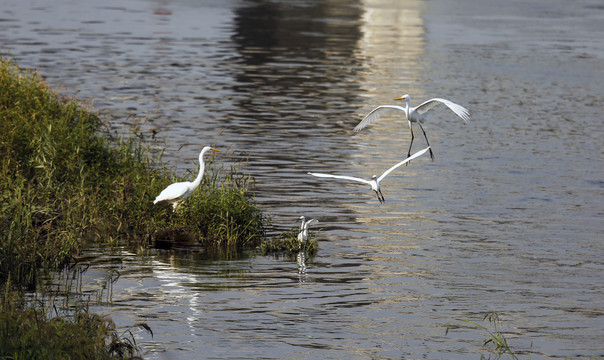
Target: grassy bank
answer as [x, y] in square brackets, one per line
[63, 183]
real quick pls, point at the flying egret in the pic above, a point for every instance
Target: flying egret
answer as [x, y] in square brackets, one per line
[179, 191]
[375, 180]
[303, 234]
[416, 115]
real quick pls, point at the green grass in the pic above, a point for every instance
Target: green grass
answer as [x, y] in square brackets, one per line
[32, 331]
[287, 244]
[495, 343]
[220, 212]
[63, 182]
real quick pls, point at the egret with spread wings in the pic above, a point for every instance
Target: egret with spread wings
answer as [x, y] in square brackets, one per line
[415, 115]
[375, 180]
[303, 234]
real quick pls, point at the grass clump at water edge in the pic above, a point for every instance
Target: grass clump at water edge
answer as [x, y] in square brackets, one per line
[219, 213]
[33, 331]
[287, 243]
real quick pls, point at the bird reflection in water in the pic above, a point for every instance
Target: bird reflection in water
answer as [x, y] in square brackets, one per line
[301, 260]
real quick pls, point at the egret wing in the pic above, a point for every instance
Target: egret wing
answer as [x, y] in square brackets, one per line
[459, 110]
[351, 178]
[172, 192]
[419, 153]
[311, 222]
[376, 114]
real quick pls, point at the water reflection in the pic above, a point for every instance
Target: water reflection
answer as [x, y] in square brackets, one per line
[301, 258]
[293, 85]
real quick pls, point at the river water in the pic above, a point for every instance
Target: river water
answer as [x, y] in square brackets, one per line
[508, 218]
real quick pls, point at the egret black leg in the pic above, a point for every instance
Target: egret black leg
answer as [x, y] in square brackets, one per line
[411, 143]
[378, 196]
[427, 142]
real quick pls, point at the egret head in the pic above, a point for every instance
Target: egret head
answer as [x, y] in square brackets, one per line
[208, 148]
[404, 97]
[374, 177]
[205, 150]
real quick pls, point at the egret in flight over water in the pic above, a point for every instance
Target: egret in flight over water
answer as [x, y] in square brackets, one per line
[417, 115]
[303, 234]
[375, 180]
[179, 191]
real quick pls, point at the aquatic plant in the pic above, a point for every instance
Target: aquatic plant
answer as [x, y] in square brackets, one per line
[29, 330]
[287, 243]
[495, 343]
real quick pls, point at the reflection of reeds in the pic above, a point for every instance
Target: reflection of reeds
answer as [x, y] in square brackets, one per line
[42, 332]
[62, 183]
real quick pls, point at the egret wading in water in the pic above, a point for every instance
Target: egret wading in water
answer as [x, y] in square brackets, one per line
[415, 115]
[179, 191]
[375, 180]
[303, 234]
[302, 238]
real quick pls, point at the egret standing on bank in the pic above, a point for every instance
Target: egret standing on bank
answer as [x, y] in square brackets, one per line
[417, 115]
[303, 234]
[375, 180]
[179, 191]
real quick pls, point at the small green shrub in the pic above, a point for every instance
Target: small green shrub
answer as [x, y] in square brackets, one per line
[287, 243]
[219, 213]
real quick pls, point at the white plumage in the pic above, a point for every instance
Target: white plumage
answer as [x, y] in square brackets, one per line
[375, 180]
[415, 115]
[303, 234]
[177, 192]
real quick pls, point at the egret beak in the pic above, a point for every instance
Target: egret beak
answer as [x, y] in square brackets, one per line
[399, 98]
[216, 150]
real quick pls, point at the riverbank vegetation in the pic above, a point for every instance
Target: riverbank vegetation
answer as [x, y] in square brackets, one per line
[35, 331]
[65, 182]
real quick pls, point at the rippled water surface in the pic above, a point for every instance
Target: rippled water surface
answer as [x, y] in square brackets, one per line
[508, 218]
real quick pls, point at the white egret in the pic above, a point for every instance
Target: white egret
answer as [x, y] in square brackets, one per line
[417, 115]
[303, 234]
[375, 180]
[179, 191]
